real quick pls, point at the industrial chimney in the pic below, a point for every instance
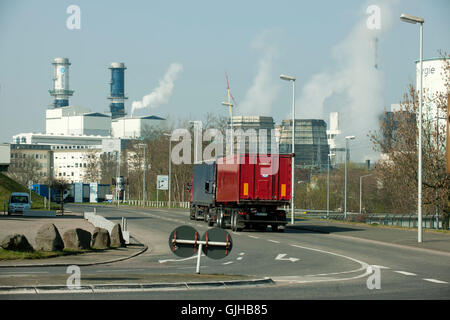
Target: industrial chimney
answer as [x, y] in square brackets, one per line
[117, 92]
[60, 89]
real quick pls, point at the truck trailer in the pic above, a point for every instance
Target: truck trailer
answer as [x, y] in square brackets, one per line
[242, 191]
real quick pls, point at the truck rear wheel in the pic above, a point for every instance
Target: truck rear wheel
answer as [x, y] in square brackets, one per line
[210, 220]
[221, 219]
[234, 217]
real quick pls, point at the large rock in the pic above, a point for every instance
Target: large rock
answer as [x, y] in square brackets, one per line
[16, 242]
[48, 238]
[117, 239]
[100, 239]
[77, 239]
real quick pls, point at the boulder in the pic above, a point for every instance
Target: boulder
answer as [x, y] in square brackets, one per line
[100, 239]
[16, 242]
[117, 239]
[48, 238]
[77, 239]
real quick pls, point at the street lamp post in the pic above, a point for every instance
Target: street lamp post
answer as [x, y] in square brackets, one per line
[412, 19]
[328, 185]
[360, 191]
[143, 145]
[345, 188]
[170, 166]
[290, 78]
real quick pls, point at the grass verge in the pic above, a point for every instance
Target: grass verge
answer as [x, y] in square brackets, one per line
[16, 255]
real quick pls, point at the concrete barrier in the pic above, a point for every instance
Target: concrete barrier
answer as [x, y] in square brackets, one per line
[102, 222]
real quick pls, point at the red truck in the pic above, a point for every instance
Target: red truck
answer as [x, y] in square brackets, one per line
[242, 191]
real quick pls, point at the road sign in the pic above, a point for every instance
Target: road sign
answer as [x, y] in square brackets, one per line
[216, 243]
[185, 233]
[162, 182]
[217, 235]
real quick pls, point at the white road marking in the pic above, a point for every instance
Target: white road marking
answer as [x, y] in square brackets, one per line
[242, 253]
[240, 258]
[380, 267]
[435, 281]
[364, 266]
[254, 237]
[274, 241]
[229, 262]
[282, 256]
[176, 260]
[406, 273]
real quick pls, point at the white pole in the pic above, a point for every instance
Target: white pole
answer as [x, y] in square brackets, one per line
[360, 194]
[291, 78]
[170, 169]
[293, 152]
[198, 258]
[345, 184]
[328, 186]
[143, 180]
[360, 191]
[419, 182]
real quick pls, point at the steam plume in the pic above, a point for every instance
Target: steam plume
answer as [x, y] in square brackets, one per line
[162, 93]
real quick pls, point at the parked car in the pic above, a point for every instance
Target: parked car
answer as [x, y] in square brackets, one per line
[19, 202]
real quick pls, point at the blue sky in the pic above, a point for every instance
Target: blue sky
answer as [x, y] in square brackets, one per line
[253, 41]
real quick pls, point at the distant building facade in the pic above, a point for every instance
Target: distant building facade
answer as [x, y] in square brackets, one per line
[311, 143]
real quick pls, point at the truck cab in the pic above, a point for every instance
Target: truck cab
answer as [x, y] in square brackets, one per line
[19, 202]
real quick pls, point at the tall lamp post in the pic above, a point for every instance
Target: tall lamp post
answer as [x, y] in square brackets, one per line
[328, 184]
[170, 166]
[360, 191]
[143, 145]
[345, 188]
[412, 19]
[290, 78]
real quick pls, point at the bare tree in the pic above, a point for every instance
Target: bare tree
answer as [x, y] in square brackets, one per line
[60, 185]
[92, 172]
[24, 169]
[397, 139]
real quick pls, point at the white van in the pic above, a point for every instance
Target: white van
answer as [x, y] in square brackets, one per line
[19, 202]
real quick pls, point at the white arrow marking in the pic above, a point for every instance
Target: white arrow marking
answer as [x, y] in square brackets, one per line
[282, 256]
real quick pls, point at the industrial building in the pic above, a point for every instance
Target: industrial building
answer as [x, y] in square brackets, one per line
[253, 134]
[117, 90]
[39, 168]
[134, 127]
[61, 90]
[74, 134]
[434, 83]
[311, 143]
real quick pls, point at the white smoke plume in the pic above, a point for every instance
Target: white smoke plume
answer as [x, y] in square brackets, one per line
[162, 93]
[260, 97]
[353, 86]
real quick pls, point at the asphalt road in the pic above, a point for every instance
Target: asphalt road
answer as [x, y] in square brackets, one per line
[303, 264]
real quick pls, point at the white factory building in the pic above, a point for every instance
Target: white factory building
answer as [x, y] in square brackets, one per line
[75, 134]
[434, 84]
[134, 127]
